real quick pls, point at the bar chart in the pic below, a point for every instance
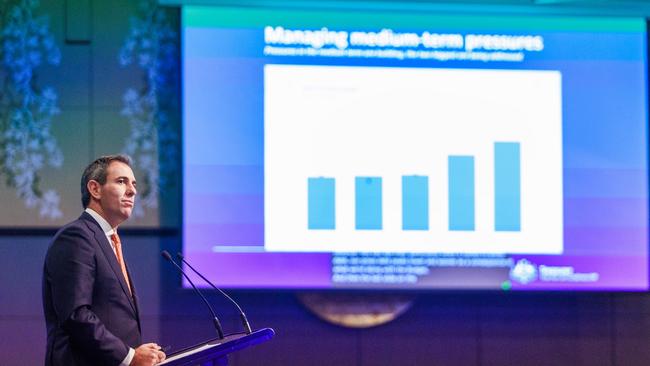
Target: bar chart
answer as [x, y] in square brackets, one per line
[368, 159]
[415, 196]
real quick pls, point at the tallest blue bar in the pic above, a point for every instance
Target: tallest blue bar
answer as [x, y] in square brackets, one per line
[461, 193]
[507, 186]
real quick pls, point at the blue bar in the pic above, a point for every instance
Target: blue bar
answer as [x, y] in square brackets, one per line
[367, 199]
[321, 206]
[415, 202]
[507, 186]
[461, 193]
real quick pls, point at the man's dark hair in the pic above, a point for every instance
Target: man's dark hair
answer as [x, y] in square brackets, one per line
[98, 170]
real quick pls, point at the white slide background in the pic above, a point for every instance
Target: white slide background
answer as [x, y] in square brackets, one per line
[343, 122]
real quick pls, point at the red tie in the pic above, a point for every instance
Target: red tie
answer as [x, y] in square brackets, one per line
[118, 251]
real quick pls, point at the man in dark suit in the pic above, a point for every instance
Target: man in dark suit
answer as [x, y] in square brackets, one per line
[90, 304]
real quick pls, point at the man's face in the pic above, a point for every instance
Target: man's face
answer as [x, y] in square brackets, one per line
[117, 195]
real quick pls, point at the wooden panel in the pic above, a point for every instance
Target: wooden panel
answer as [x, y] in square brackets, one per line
[20, 277]
[22, 341]
[542, 331]
[632, 336]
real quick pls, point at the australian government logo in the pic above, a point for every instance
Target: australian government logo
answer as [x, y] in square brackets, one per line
[524, 272]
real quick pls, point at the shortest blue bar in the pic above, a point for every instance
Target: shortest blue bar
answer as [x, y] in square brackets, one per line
[415, 202]
[321, 204]
[368, 205]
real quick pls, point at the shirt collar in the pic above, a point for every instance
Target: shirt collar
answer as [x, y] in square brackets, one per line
[106, 227]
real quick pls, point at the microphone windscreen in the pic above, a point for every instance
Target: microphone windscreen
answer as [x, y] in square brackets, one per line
[166, 255]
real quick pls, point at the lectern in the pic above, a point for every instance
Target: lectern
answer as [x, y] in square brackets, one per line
[215, 351]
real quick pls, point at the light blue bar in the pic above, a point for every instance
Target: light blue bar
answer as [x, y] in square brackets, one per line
[368, 203]
[507, 186]
[321, 204]
[415, 202]
[461, 193]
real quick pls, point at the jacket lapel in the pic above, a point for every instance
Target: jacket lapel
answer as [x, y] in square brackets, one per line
[110, 257]
[134, 298]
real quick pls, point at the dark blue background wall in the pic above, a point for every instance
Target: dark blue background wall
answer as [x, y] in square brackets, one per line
[440, 329]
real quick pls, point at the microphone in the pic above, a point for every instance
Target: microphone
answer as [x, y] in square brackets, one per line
[244, 320]
[217, 324]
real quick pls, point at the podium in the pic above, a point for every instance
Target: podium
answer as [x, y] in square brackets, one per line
[215, 351]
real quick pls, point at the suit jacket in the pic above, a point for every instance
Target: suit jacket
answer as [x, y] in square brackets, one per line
[90, 315]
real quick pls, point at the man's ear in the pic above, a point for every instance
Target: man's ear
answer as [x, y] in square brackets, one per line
[95, 189]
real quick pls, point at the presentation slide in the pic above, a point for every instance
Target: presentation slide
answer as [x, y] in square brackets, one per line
[399, 141]
[333, 149]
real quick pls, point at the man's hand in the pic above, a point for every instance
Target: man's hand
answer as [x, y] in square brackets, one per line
[148, 354]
